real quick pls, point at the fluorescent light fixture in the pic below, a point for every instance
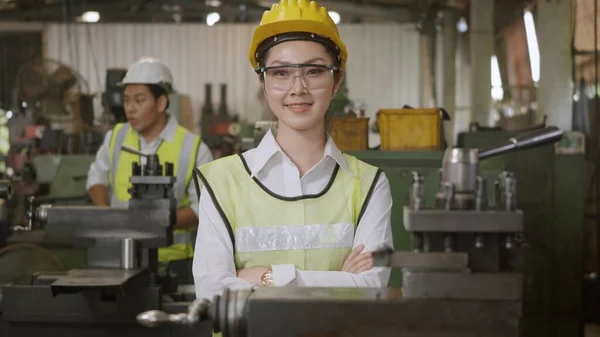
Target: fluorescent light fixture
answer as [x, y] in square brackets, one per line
[213, 3]
[462, 25]
[335, 16]
[212, 18]
[90, 17]
[497, 91]
[532, 44]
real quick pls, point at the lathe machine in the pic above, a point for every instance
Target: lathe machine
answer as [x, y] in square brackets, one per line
[463, 277]
[122, 277]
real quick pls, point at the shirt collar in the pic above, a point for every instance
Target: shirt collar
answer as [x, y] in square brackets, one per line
[268, 147]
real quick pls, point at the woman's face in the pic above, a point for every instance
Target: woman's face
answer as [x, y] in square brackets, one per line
[299, 97]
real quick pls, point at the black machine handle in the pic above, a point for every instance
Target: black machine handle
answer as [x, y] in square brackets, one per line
[524, 141]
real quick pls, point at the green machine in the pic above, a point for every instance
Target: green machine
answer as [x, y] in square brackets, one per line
[550, 191]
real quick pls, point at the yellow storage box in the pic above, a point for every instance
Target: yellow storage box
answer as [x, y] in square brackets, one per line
[409, 129]
[350, 133]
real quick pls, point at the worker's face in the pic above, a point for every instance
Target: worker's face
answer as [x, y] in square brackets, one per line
[141, 108]
[302, 105]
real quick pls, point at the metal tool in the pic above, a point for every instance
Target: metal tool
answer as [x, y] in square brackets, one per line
[464, 220]
[152, 167]
[121, 281]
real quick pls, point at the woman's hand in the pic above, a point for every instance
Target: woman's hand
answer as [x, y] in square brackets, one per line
[253, 274]
[356, 262]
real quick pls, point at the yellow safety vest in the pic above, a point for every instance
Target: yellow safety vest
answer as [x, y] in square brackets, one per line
[181, 151]
[312, 232]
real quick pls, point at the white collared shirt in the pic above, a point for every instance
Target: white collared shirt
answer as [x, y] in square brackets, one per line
[100, 168]
[214, 267]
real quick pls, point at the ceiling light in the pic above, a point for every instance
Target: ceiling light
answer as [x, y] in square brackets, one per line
[462, 25]
[212, 18]
[532, 45]
[213, 3]
[335, 16]
[265, 3]
[90, 17]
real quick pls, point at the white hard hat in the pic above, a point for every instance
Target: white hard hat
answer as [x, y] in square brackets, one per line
[149, 70]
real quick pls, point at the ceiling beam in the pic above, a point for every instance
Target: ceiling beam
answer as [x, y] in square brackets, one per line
[191, 8]
[388, 13]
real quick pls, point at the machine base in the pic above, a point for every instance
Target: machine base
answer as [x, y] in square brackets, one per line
[462, 285]
[32, 310]
[373, 312]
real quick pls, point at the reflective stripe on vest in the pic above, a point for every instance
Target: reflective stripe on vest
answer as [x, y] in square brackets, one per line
[313, 232]
[181, 152]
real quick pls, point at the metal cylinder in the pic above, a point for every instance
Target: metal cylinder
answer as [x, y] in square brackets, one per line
[128, 253]
[510, 193]
[417, 193]
[152, 166]
[481, 194]
[460, 167]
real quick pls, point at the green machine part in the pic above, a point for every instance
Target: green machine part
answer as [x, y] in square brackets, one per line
[551, 190]
[398, 167]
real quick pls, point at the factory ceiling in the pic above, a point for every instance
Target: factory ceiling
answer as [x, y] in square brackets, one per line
[187, 11]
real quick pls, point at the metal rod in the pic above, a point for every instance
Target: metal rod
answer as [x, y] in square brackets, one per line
[524, 141]
[128, 253]
[132, 150]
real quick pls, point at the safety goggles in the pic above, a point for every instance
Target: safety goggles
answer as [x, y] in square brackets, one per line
[312, 76]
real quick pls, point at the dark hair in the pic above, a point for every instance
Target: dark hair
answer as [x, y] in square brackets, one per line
[157, 91]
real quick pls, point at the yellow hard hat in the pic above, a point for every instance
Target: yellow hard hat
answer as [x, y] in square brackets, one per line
[291, 20]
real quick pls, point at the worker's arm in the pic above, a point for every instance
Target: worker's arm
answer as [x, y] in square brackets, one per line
[99, 195]
[374, 231]
[97, 179]
[213, 266]
[187, 217]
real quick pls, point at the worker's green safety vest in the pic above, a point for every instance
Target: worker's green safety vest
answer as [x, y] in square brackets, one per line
[181, 151]
[312, 232]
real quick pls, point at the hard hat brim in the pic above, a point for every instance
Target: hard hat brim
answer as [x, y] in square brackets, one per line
[168, 88]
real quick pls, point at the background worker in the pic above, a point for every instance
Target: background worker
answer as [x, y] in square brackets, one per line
[151, 130]
[294, 211]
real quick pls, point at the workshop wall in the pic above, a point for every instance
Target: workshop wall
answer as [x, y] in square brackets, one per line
[383, 67]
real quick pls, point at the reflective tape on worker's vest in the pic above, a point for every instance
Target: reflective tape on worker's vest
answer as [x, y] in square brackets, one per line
[269, 238]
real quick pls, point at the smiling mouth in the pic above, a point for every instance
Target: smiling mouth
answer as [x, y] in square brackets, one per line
[298, 105]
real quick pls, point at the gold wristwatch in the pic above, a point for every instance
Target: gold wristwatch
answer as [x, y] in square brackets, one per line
[266, 280]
